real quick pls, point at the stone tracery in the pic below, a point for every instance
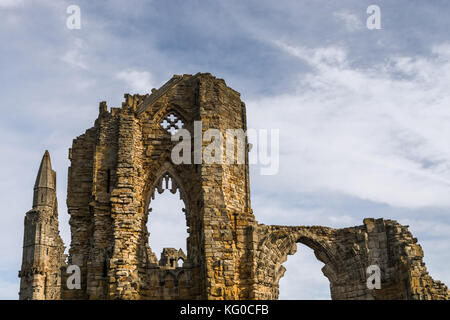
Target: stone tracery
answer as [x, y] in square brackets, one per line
[172, 123]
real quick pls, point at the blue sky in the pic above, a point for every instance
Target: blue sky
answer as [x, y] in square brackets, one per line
[363, 114]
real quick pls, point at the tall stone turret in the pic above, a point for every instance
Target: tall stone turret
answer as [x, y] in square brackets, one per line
[45, 185]
[43, 248]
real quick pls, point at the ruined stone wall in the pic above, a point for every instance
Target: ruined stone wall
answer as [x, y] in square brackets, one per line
[120, 165]
[346, 254]
[43, 255]
[79, 191]
[116, 167]
[225, 198]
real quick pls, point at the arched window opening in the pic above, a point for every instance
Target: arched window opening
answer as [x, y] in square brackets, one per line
[166, 222]
[303, 279]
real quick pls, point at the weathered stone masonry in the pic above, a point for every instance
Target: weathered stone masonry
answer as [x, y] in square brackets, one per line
[119, 164]
[43, 248]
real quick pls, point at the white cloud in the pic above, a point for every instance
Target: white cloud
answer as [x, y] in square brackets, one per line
[136, 81]
[318, 57]
[75, 56]
[442, 50]
[379, 133]
[352, 21]
[10, 3]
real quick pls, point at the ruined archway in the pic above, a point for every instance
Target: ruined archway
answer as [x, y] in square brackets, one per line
[346, 253]
[303, 278]
[278, 242]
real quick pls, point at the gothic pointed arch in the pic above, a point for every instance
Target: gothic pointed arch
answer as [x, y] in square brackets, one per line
[160, 181]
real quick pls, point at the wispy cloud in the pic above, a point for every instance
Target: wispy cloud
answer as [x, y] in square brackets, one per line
[136, 81]
[317, 57]
[377, 133]
[351, 21]
[75, 55]
[11, 3]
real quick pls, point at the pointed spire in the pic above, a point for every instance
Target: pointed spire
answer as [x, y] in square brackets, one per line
[45, 185]
[46, 176]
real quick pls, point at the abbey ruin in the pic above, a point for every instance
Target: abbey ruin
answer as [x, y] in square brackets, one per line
[119, 164]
